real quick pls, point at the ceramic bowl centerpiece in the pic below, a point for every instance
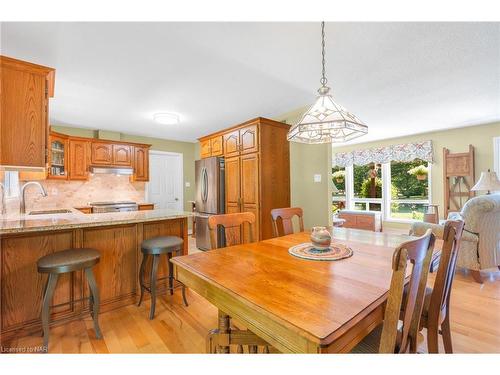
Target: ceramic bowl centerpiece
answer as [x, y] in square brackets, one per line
[321, 238]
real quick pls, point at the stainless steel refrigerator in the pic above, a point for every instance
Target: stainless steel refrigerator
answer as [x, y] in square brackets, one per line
[210, 198]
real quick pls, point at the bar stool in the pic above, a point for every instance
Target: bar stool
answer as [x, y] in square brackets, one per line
[67, 261]
[155, 247]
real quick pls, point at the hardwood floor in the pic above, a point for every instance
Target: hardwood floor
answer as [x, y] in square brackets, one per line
[475, 323]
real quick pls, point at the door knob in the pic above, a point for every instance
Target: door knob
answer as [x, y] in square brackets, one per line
[176, 199]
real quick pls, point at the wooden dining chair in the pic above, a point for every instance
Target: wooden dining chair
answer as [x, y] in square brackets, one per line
[282, 220]
[233, 224]
[389, 337]
[436, 311]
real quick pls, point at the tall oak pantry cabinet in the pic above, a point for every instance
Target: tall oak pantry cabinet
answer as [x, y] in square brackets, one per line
[257, 162]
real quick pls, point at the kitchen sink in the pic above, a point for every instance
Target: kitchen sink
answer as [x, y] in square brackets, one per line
[50, 212]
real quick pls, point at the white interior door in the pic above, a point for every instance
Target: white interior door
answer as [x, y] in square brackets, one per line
[165, 187]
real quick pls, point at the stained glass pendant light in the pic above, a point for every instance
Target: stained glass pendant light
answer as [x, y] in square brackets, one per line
[326, 121]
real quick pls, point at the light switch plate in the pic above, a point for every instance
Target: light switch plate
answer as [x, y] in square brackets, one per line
[317, 178]
[188, 184]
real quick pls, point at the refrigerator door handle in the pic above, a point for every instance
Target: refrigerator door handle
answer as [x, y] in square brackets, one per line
[204, 191]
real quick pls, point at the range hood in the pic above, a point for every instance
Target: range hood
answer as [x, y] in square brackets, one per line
[112, 170]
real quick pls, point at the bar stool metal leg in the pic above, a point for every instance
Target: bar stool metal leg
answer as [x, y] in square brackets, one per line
[170, 274]
[47, 298]
[141, 277]
[94, 290]
[154, 272]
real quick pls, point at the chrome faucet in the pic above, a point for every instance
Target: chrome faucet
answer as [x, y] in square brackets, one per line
[23, 189]
[2, 199]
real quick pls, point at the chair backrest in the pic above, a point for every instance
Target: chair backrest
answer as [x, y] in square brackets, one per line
[282, 220]
[233, 224]
[419, 253]
[441, 291]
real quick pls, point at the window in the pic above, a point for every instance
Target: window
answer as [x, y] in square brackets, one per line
[409, 189]
[399, 190]
[367, 187]
[338, 189]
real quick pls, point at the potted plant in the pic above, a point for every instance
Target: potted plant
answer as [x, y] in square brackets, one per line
[338, 176]
[420, 172]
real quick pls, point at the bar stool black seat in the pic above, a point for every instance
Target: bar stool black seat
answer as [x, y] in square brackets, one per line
[155, 247]
[64, 262]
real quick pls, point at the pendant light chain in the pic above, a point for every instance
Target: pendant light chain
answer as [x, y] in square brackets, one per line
[323, 80]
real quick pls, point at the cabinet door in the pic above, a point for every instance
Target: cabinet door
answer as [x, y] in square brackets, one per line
[23, 134]
[78, 159]
[205, 149]
[249, 139]
[58, 157]
[232, 144]
[250, 190]
[232, 176]
[216, 148]
[102, 153]
[141, 163]
[122, 155]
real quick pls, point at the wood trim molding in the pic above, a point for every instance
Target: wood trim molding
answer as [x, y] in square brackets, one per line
[257, 120]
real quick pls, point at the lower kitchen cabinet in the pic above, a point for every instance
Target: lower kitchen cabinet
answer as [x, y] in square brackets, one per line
[116, 273]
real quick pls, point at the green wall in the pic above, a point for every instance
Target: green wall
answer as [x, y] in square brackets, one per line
[187, 149]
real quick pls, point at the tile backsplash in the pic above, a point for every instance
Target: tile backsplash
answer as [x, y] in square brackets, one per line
[69, 194]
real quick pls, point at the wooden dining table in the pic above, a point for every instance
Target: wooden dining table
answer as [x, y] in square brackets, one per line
[295, 305]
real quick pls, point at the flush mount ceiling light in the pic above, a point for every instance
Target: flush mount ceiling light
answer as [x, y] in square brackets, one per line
[326, 121]
[166, 118]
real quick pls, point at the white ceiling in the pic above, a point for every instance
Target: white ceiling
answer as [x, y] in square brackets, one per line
[399, 78]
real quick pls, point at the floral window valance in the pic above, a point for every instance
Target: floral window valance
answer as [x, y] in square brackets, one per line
[402, 152]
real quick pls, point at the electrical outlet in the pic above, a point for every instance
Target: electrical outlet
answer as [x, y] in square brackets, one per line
[317, 178]
[188, 184]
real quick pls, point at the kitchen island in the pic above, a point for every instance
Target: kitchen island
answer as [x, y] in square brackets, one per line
[117, 236]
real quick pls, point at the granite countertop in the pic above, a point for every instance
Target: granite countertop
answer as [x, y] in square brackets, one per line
[77, 219]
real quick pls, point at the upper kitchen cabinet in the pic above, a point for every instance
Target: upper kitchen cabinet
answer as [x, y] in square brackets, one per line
[122, 155]
[211, 147]
[249, 139]
[24, 97]
[101, 153]
[108, 153]
[79, 155]
[231, 143]
[141, 163]
[58, 157]
[241, 141]
[205, 149]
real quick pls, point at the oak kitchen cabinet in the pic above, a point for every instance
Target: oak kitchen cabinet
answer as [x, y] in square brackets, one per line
[57, 157]
[141, 163]
[24, 96]
[80, 153]
[211, 147]
[257, 169]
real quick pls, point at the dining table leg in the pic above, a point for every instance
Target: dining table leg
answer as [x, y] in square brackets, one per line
[224, 327]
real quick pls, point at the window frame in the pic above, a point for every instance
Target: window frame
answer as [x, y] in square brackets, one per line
[386, 199]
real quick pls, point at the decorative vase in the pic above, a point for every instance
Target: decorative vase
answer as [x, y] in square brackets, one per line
[321, 238]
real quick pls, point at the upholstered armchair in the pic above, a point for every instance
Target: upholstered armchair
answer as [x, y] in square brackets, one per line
[480, 245]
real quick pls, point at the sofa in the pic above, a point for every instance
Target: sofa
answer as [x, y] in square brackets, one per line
[480, 245]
